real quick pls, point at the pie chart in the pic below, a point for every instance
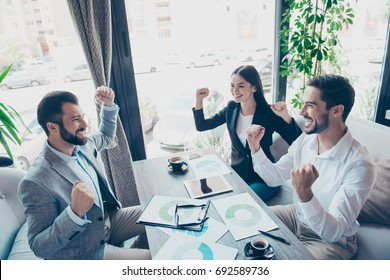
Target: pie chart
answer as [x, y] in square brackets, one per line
[167, 211]
[243, 215]
[208, 166]
[193, 250]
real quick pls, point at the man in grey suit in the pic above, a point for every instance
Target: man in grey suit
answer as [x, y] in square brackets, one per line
[71, 211]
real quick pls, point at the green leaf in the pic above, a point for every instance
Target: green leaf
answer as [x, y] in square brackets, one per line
[328, 4]
[310, 19]
[319, 55]
[10, 136]
[5, 72]
[6, 120]
[5, 145]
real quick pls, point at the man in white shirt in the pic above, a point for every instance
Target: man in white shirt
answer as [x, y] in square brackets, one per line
[331, 173]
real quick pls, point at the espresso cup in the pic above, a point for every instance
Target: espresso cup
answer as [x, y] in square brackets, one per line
[256, 247]
[177, 163]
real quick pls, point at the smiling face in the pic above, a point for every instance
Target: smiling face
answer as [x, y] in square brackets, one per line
[241, 90]
[314, 111]
[73, 127]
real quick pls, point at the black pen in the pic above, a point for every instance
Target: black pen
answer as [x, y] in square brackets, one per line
[275, 237]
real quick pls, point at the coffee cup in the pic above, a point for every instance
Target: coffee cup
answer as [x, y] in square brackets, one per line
[177, 164]
[256, 247]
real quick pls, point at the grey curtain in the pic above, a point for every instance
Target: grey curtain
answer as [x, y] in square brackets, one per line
[92, 19]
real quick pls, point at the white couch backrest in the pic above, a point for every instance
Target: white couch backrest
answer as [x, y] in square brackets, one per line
[11, 210]
[375, 137]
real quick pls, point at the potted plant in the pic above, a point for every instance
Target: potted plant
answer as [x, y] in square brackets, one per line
[8, 118]
[309, 37]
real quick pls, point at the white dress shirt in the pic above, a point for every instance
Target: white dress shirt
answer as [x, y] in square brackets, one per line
[346, 176]
[243, 123]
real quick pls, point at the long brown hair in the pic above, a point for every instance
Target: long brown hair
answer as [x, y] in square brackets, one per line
[250, 74]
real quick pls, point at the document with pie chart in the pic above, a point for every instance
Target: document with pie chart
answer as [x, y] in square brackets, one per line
[190, 248]
[243, 216]
[208, 166]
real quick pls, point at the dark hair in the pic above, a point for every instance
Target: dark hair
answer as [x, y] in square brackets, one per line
[50, 107]
[335, 90]
[250, 74]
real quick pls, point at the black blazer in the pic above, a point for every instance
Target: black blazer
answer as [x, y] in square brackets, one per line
[241, 156]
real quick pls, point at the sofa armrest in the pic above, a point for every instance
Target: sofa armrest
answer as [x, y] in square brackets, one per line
[373, 242]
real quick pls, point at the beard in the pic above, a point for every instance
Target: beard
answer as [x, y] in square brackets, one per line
[72, 138]
[318, 126]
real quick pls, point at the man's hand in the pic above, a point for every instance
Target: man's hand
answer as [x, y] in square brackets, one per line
[302, 178]
[254, 134]
[82, 198]
[105, 95]
[280, 109]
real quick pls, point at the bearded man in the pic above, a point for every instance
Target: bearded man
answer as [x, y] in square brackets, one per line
[331, 173]
[71, 210]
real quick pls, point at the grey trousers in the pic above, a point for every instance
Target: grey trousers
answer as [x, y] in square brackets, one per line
[120, 226]
[344, 249]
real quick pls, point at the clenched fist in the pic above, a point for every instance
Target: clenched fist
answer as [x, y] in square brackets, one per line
[82, 198]
[302, 178]
[105, 95]
[201, 94]
[280, 109]
[254, 134]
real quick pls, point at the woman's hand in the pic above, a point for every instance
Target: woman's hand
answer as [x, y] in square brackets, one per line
[201, 94]
[280, 109]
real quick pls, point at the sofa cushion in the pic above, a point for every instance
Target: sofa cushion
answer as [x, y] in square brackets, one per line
[373, 242]
[20, 249]
[376, 209]
[11, 210]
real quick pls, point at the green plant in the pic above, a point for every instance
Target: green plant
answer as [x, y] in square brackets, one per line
[8, 117]
[311, 37]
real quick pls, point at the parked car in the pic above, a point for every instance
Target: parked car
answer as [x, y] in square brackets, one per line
[146, 65]
[43, 64]
[246, 55]
[23, 78]
[32, 144]
[78, 73]
[175, 128]
[203, 59]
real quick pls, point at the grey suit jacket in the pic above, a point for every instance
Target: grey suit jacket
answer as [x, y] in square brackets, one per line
[46, 192]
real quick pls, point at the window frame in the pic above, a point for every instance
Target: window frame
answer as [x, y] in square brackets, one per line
[124, 84]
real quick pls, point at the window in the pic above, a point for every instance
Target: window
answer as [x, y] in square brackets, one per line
[183, 51]
[361, 55]
[40, 65]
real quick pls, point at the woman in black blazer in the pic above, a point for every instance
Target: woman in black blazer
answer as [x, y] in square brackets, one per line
[248, 107]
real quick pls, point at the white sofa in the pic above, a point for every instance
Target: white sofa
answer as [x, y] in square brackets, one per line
[13, 232]
[373, 235]
[374, 232]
